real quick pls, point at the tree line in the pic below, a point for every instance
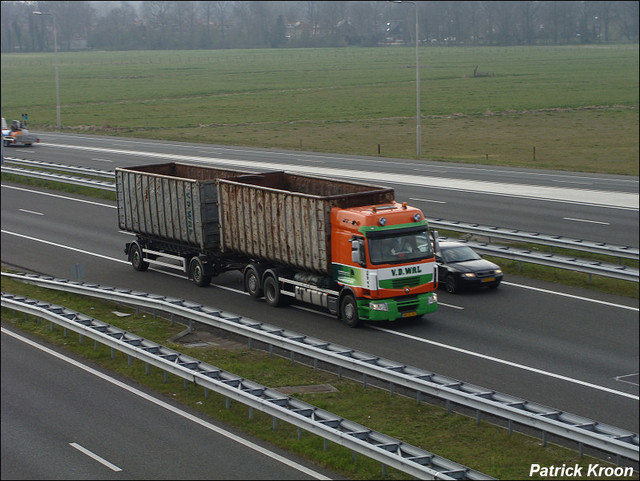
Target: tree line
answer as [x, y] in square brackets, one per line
[177, 25]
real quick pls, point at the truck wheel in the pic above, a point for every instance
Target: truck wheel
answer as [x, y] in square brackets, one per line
[272, 293]
[252, 282]
[137, 259]
[197, 273]
[349, 311]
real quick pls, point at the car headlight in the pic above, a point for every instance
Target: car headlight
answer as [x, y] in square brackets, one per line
[498, 271]
[468, 274]
[378, 306]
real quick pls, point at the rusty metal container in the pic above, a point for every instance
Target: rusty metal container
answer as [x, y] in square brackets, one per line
[275, 217]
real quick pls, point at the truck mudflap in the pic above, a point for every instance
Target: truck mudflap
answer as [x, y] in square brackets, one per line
[396, 308]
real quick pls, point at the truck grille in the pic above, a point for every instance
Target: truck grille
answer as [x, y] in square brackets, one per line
[405, 282]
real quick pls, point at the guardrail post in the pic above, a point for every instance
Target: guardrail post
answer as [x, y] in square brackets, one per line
[293, 356]
[228, 403]
[299, 434]
[250, 412]
[364, 380]
[166, 377]
[65, 332]
[544, 439]
[113, 353]
[146, 368]
[128, 359]
[50, 326]
[206, 393]
[95, 345]
[80, 338]
[186, 385]
[275, 423]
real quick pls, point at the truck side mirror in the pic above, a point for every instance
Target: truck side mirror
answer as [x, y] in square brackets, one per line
[357, 250]
[436, 245]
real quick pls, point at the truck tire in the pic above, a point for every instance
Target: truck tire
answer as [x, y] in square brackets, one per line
[137, 259]
[272, 293]
[252, 281]
[196, 270]
[349, 311]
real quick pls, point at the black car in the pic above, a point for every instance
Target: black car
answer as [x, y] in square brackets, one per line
[459, 266]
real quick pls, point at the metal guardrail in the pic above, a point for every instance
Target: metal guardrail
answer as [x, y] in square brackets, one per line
[40, 164]
[389, 451]
[627, 252]
[52, 176]
[551, 260]
[582, 430]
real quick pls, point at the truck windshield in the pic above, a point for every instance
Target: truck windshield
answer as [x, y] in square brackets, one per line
[399, 248]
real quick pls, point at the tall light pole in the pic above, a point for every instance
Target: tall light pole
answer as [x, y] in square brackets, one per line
[55, 50]
[418, 116]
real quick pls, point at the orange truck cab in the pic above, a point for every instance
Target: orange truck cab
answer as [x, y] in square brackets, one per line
[382, 255]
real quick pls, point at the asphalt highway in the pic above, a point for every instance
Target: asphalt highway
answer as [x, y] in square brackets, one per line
[571, 349]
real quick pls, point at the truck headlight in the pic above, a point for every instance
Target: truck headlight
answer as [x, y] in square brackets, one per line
[433, 298]
[378, 306]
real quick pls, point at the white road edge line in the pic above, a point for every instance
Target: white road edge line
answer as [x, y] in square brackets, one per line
[93, 455]
[168, 407]
[508, 363]
[453, 348]
[586, 220]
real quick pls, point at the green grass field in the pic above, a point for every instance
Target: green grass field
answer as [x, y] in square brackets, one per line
[577, 106]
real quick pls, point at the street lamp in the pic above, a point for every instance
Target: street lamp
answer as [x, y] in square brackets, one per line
[418, 139]
[55, 49]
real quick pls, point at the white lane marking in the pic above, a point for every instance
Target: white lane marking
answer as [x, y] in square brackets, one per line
[58, 196]
[571, 296]
[586, 220]
[93, 455]
[168, 407]
[460, 308]
[620, 200]
[428, 200]
[508, 363]
[30, 212]
[571, 182]
[102, 160]
[621, 379]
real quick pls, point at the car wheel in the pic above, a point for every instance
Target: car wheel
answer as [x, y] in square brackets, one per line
[451, 285]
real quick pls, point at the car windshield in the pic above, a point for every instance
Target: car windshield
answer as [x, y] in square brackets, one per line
[459, 254]
[399, 248]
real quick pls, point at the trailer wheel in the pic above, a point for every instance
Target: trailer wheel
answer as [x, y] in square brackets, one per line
[272, 293]
[349, 311]
[197, 273]
[137, 259]
[252, 282]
